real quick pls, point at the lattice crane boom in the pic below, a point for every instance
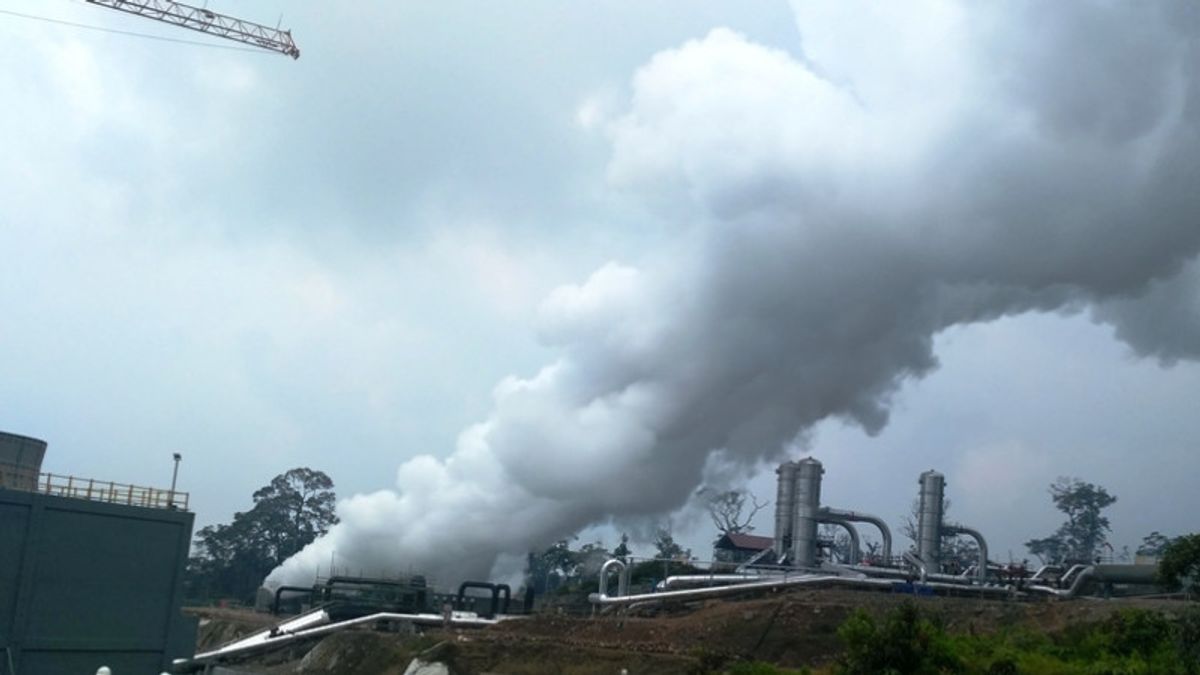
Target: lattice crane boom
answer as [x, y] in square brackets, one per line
[209, 22]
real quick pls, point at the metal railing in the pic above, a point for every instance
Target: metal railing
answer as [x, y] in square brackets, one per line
[16, 477]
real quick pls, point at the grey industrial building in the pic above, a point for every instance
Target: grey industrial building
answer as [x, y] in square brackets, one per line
[91, 572]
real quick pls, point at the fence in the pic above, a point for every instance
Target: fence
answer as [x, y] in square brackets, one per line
[16, 477]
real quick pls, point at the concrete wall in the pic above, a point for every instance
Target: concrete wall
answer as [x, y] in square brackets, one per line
[85, 584]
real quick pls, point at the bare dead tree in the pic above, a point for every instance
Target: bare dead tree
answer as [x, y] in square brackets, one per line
[728, 510]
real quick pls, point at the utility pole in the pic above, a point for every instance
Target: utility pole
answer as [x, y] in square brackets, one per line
[208, 22]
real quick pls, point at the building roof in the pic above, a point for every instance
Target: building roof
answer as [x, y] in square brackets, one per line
[748, 542]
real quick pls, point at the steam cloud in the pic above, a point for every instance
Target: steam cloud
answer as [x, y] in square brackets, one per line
[919, 167]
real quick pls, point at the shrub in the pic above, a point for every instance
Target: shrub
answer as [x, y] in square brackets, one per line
[1180, 562]
[906, 643]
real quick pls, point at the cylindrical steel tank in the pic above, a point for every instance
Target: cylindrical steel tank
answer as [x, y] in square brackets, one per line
[929, 519]
[808, 504]
[20, 461]
[785, 498]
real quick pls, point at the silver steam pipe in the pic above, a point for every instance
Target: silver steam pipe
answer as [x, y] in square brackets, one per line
[707, 580]
[1042, 570]
[916, 561]
[981, 568]
[713, 591]
[1067, 592]
[270, 641]
[855, 542]
[622, 576]
[857, 517]
[1072, 571]
[897, 573]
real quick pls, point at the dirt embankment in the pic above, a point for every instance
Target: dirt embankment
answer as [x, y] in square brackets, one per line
[792, 629]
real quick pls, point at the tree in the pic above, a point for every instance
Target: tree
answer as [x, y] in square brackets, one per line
[1085, 531]
[561, 569]
[667, 549]
[1154, 544]
[294, 509]
[1179, 565]
[728, 510]
[622, 550]
[550, 568]
[231, 560]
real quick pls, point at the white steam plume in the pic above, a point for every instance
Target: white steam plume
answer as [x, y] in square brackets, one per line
[921, 166]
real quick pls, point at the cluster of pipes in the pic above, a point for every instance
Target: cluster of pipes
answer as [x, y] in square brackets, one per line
[793, 558]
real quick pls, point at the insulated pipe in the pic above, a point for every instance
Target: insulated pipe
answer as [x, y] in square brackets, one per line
[1071, 572]
[363, 581]
[929, 519]
[897, 573]
[981, 569]
[806, 580]
[506, 591]
[785, 500]
[493, 588]
[289, 589]
[712, 591]
[855, 547]
[1068, 592]
[808, 504]
[885, 532]
[622, 577]
[705, 580]
[1042, 570]
[918, 563]
[271, 641]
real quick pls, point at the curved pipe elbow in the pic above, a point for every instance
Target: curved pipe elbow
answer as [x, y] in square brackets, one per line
[855, 516]
[855, 542]
[981, 568]
[622, 577]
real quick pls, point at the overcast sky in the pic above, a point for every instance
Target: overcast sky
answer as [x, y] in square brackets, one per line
[332, 262]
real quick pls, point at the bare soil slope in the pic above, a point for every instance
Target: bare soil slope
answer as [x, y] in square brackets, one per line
[791, 629]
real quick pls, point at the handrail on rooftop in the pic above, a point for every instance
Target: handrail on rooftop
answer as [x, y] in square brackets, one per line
[16, 477]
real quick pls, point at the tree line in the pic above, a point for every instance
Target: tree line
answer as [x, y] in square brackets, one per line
[231, 560]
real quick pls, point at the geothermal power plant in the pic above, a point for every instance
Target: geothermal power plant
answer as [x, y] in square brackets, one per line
[794, 558]
[92, 532]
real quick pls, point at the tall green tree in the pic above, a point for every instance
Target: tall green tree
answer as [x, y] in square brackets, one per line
[1179, 566]
[294, 509]
[666, 548]
[230, 560]
[1085, 532]
[622, 550]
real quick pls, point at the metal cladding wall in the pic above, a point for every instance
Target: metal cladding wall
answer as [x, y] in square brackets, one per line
[85, 584]
[20, 461]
